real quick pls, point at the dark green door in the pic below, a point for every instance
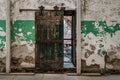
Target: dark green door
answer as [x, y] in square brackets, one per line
[49, 40]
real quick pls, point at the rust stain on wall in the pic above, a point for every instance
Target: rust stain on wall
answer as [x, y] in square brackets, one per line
[92, 47]
[94, 67]
[99, 52]
[112, 60]
[88, 53]
[113, 64]
[86, 44]
[23, 55]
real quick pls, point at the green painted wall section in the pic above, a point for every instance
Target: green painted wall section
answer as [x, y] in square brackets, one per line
[2, 34]
[103, 30]
[100, 28]
[23, 30]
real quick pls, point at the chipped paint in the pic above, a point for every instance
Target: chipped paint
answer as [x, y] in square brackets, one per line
[2, 44]
[23, 30]
[99, 38]
[23, 43]
[100, 31]
[100, 28]
[2, 10]
[2, 35]
[34, 4]
[23, 55]
[92, 67]
[23, 27]
[100, 10]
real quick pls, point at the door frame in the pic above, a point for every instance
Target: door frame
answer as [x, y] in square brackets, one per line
[78, 36]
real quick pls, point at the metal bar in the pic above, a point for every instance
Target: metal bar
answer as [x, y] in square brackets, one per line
[67, 39]
[28, 10]
[21, 10]
[78, 30]
[8, 41]
[49, 41]
[48, 62]
[36, 42]
[60, 39]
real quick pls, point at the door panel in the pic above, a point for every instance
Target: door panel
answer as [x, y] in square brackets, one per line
[49, 40]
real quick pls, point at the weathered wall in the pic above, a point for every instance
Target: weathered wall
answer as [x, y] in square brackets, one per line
[100, 34]
[2, 35]
[23, 33]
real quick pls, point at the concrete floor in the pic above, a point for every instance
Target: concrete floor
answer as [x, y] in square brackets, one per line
[57, 77]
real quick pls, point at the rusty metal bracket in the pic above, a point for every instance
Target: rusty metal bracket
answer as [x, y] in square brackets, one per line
[41, 10]
[62, 7]
[21, 10]
[56, 8]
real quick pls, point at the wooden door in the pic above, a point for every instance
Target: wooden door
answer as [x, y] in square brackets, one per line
[49, 40]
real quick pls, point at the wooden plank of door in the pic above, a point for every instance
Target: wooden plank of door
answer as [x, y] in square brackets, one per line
[44, 51]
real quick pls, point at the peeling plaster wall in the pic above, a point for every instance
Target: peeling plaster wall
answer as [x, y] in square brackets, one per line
[101, 10]
[2, 10]
[2, 35]
[34, 4]
[23, 33]
[100, 34]
[23, 43]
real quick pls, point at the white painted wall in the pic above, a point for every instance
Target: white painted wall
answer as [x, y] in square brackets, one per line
[2, 10]
[34, 4]
[101, 10]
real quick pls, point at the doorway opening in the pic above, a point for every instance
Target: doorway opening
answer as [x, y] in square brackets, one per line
[69, 39]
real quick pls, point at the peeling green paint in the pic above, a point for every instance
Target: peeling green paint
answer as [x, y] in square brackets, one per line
[23, 30]
[90, 27]
[101, 45]
[104, 52]
[2, 31]
[102, 30]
